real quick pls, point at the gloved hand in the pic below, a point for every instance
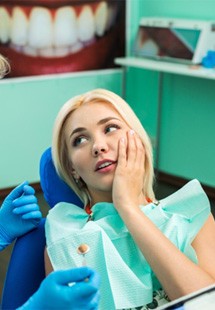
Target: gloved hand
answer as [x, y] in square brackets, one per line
[19, 214]
[72, 289]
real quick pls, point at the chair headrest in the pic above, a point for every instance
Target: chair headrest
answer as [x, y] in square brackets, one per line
[55, 189]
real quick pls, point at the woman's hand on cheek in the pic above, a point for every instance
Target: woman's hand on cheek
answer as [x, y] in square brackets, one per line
[128, 178]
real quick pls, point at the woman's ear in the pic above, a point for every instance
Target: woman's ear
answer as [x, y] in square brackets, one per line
[78, 180]
[75, 175]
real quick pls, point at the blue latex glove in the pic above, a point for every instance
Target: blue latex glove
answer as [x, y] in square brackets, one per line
[19, 214]
[57, 292]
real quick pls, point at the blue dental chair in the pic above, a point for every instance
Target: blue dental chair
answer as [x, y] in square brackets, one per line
[26, 267]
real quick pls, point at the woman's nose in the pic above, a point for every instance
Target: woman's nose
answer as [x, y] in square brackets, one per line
[98, 149]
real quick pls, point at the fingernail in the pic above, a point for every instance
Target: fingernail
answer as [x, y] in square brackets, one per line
[131, 132]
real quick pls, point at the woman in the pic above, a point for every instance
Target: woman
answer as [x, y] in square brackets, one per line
[142, 248]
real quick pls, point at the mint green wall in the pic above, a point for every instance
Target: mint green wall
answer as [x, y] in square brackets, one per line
[188, 127]
[192, 9]
[187, 147]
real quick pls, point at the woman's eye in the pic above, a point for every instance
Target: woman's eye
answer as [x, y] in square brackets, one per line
[111, 128]
[79, 140]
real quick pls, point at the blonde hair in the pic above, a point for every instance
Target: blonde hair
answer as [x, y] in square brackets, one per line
[4, 66]
[59, 146]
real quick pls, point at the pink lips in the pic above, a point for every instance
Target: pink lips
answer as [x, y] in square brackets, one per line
[93, 57]
[104, 165]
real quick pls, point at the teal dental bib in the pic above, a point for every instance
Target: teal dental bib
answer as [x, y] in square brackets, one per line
[127, 280]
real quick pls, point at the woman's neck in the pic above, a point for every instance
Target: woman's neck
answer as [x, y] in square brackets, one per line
[107, 197]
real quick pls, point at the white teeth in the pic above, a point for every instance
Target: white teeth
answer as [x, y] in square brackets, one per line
[61, 51]
[65, 27]
[67, 32]
[17, 48]
[150, 48]
[28, 50]
[40, 28]
[86, 24]
[19, 26]
[101, 17]
[112, 13]
[46, 52]
[76, 47]
[4, 25]
[105, 165]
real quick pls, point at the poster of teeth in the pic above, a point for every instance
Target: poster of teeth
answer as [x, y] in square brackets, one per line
[41, 37]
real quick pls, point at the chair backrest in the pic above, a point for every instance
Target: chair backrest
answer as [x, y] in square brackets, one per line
[26, 266]
[54, 189]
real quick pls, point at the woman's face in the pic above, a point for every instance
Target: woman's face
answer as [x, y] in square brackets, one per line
[92, 136]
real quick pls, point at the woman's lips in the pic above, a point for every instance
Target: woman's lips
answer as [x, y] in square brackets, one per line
[50, 3]
[94, 56]
[105, 165]
[39, 40]
[107, 169]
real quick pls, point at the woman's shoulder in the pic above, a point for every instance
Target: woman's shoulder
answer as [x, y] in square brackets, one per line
[64, 208]
[64, 212]
[189, 201]
[61, 218]
[187, 208]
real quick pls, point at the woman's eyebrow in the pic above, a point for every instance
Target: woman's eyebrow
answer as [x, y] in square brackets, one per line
[78, 129]
[102, 121]
[107, 119]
